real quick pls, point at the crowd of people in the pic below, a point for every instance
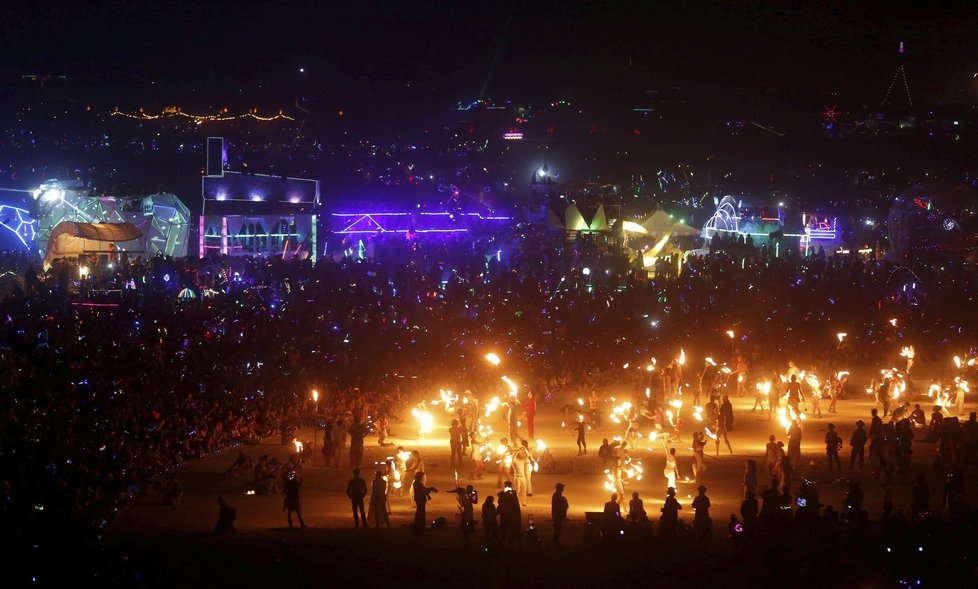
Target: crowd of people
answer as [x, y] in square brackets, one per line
[111, 388]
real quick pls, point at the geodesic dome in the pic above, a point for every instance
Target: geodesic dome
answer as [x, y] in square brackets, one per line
[930, 220]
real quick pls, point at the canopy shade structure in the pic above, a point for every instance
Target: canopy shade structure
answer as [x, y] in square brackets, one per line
[684, 230]
[70, 239]
[586, 220]
[658, 224]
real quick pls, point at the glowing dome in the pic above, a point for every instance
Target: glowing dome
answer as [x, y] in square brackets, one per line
[930, 220]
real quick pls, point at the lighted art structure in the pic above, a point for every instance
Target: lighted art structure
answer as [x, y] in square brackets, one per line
[18, 228]
[808, 231]
[70, 240]
[161, 219]
[931, 221]
[248, 214]
[415, 222]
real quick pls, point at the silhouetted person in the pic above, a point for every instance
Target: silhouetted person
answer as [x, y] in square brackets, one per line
[489, 523]
[292, 500]
[858, 443]
[422, 495]
[558, 510]
[920, 503]
[356, 490]
[378, 501]
[669, 522]
[225, 517]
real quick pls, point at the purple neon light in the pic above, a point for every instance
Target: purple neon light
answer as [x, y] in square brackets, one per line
[356, 221]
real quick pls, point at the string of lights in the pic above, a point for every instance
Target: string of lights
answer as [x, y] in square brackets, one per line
[198, 119]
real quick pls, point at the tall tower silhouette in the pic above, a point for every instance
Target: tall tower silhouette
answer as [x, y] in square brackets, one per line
[901, 73]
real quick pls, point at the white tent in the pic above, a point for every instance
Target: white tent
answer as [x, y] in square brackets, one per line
[71, 239]
[684, 230]
[658, 224]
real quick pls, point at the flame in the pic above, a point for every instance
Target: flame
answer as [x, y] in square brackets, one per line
[298, 446]
[424, 419]
[493, 359]
[682, 356]
[893, 322]
[841, 335]
[730, 333]
[541, 446]
[621, 412]
[710, 361]
[957, 361]
[449, 398]
[513, 387]
[315, 395]
[491, 406]
[907, 352]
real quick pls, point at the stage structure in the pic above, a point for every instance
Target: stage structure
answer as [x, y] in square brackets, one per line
[247, 214]
[765, 224]
[161, 219]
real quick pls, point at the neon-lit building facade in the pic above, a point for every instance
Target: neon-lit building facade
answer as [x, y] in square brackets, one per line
[415, 222]
[255, 214]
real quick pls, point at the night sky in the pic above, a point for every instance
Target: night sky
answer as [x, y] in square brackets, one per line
[433, 54]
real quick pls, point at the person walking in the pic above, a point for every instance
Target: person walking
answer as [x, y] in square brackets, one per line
[558, 511]
[721, 432]
[581, 429]
[455, 441]
[422, 495]
[858, 444]
[378, 501]
[293, 502]
[702, 524]
[833, 443]
[699, 459]
[794, 443]
[490, 525]
[356, 490]
[771, 455]
[794, 394]
[521, 458]
[357, 433]
[530, 408]
[671, 470]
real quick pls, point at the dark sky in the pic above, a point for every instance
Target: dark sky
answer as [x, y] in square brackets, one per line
[381, 52]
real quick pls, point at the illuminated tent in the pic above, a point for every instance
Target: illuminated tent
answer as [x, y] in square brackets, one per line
[658, 224]
[70, 239]
[684, 230]
[588, 220]
[187, 294]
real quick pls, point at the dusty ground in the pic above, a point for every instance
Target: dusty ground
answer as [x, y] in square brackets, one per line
[177, 543]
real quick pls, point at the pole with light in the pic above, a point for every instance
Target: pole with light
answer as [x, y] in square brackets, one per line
[315, 420]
